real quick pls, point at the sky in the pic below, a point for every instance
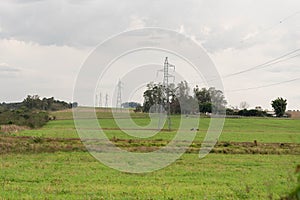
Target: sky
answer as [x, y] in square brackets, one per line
[45, 43]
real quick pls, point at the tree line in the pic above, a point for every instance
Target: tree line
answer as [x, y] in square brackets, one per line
[203, 100]
[31, 112]
[34, 102]
[181, 100]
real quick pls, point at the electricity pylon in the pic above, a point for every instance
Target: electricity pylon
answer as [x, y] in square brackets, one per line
[100, 100]
[106, 100]
[166, 87]
[96, 101]
[119, 95]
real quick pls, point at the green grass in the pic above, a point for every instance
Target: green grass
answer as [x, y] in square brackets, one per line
[79, 176]
[238, 130]
[30, 172]
[101, 113]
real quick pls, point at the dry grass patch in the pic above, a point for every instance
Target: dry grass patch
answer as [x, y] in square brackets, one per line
[12, 128]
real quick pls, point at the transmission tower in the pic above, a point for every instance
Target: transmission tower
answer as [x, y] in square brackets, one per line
[166, 86]
[106, 100]
[100, 100]
[119, 95]
[96, 101]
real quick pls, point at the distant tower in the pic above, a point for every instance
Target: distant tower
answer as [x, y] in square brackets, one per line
[106, 100]
[100, 100]
[96, 101]
[119, 95]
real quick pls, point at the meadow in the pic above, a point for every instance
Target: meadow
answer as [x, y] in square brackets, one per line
[77, 175]
[51, 163]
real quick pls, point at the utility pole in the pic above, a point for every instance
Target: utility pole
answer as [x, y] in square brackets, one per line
[119, 95]
[167, 75]
[106, 100]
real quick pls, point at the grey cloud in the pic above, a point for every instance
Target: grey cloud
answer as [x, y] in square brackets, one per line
[26, 2]
[86, 23]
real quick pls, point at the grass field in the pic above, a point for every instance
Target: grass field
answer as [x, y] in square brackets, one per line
[51, 163]
[79, 176]
[238, 130]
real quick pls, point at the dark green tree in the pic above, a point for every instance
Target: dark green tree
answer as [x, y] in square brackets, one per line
[182, 102]
[153, 97]
[279, 106]
[210, 100]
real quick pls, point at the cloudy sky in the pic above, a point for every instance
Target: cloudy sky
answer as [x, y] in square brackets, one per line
[43, 43]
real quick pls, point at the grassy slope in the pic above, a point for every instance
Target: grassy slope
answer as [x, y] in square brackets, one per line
[79, 176]
[239, 130]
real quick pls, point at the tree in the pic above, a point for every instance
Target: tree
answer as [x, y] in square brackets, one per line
[244, 105]
[153, 96]
[182, 102]
[279, 106]
[210, 100]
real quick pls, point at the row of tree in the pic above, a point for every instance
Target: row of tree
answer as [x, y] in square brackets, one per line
[202, 100]
[32, 111]
[23, 117]
[181, 101]
[248, 113]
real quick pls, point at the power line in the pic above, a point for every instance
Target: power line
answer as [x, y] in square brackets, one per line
[269, 28]
[265, 64]
[263, 86]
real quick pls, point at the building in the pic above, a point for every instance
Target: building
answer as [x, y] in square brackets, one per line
[294, 114]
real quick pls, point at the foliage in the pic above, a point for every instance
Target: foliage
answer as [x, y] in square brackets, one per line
[248, 113]
[210, 100]
[32, 112]
[153, 97]
[138, 108]
[35, 103]
[230, 111]
[252, 113]
[279, 106]
[49, 104]
[181, 102]
[24, 117]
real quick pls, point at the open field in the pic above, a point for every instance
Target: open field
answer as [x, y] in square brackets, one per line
[237, 130]
[52, 163]
[79, 176]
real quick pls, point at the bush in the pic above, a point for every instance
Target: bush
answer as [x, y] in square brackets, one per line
[32, 119]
